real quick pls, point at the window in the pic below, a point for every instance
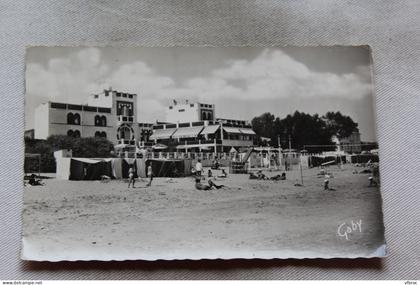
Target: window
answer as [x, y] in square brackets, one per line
[170, 107]
[100, 135]
[118, 94]
[181, 110]
[74, 107]
[70, 118]
[74, 134]
[97, 120]
[104, 110]
[130, 96]
[183, 125]
[97, 96]
[76, 119]
[58, 106]
[124, 95]
[191, 105]
[103, 121]
[204, 116]
[90, 109]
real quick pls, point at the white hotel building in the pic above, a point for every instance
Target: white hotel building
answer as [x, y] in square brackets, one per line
[113, 115]
[195, 127]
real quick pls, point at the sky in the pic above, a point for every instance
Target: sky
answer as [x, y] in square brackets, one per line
[242, 82]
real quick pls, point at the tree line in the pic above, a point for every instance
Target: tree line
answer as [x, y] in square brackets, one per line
[302, 129]
[81, 147]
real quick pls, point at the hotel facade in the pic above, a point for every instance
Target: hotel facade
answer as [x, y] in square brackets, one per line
[188, 127]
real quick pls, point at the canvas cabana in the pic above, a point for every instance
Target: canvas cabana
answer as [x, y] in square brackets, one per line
[170, 167]
[89, 169]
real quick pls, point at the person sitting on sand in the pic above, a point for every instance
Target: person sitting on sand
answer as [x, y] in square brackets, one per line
[35, 181]
[223, 175]
[105, 178]
[212, 184]
[253, 176]
[209, 173]
[279, 177]
[261, 175]
[372, 182]
[258, 176]
[131, 179]
[150, 175]
[200, 186]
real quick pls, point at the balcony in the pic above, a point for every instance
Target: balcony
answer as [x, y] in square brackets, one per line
[125, 119]
[127, 142]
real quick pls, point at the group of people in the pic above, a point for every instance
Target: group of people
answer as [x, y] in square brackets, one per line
[259, 175]
[132, 179]
[198, 170]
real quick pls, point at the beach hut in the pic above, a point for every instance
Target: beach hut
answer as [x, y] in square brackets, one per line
[89, 169]
[170, 167]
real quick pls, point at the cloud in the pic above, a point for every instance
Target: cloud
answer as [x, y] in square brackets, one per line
[272, 74]
[67, 79]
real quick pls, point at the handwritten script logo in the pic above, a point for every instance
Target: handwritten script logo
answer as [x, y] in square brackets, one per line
[346, 229]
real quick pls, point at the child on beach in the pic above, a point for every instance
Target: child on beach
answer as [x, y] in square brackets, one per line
[223, 175]
[149, 174]
[326, 182]
[131, 177]
[198, 168]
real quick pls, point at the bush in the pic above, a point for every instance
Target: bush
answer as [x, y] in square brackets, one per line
[81, 147]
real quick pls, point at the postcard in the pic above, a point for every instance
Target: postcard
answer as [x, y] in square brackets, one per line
[149, 153]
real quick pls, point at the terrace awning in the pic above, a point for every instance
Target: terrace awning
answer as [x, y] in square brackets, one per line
[162, 134]
[190, 132]
[232, 130]
[247, 131]
[209, 130]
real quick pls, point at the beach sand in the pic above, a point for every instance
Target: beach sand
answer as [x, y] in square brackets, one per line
[91, 220]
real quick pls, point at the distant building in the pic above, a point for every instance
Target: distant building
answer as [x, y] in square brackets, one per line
[189, 112]
[110, 114]
[193, 127]
[350, 144]
[113, 115]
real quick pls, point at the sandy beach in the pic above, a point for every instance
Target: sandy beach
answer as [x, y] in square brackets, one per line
[91, 220]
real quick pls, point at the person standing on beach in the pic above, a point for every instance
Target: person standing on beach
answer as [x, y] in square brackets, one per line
[149, 174]
[198, 168]
[131, 177]
[327, 182]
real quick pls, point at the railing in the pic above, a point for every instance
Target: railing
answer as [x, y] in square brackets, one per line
[205, 156]
[199, 141]
[129, 142]
[125, 119]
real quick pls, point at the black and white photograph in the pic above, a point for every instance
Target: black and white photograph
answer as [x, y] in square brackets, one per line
[150, 153]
